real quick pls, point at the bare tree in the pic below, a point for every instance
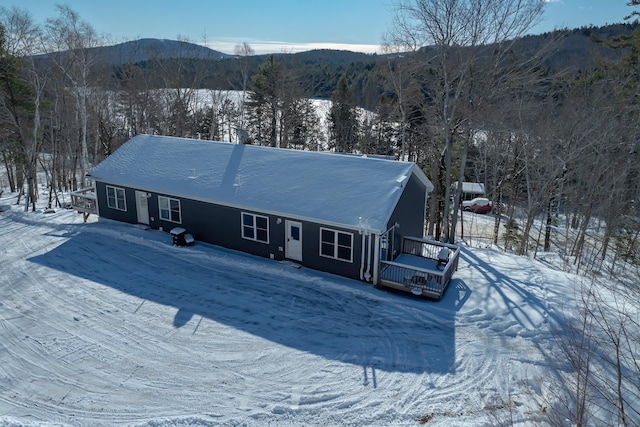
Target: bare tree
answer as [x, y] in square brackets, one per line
[69, 43]
[245, 60]
[452, 27]
[600, 346]
[23, 85]
[573, 403]
[401, 78]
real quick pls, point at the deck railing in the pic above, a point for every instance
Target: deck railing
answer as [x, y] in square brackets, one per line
[84, 200]
[428, 281]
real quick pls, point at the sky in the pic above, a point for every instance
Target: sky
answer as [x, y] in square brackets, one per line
[288, 26]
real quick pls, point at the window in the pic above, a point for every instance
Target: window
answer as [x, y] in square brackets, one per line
[337, 245]
[169, 209]
[115, 198]
[255, 227]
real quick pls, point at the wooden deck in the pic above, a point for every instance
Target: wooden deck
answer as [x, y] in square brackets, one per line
[84, 200]
[424, 267]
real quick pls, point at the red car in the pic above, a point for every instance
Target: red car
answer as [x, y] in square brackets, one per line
[479, 205]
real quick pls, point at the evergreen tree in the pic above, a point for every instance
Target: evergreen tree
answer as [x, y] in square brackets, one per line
[343, 120]
[17, 114]
[266, 96]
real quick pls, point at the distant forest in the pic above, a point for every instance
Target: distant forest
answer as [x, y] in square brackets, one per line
[318, 71]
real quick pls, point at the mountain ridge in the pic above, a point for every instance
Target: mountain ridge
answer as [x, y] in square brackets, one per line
[146, 49]
[171, 63]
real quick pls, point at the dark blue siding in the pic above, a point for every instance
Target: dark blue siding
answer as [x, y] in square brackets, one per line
[410, 212]
[222, 226]
[130, 215]
[311, 252]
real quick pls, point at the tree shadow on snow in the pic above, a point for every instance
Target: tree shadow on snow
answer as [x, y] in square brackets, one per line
[524, 300]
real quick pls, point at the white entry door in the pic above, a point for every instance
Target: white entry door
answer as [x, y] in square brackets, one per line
[142, 207]
[293, 248]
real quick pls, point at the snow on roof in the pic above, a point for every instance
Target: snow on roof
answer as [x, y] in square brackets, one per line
[325, 187]
[472, 187]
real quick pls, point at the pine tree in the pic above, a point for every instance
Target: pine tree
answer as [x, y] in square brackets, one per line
[16, 99]
[343, 121]
[266, 95]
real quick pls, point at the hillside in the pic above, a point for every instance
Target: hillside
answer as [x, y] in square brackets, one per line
[575, 49]
[317, 71]
[152, 49]
[107, 324]
[144, 50]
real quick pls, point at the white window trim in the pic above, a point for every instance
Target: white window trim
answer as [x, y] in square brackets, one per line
[254, 227]
[336, 245]
[124, 198]
[169, 199]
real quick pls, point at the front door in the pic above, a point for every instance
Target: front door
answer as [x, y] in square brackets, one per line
[293, 248]
[143, 207]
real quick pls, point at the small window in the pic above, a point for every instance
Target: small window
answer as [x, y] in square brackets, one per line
[255, 227]
[336, 244]
[295, 232]
[170, 209]
[116, 199]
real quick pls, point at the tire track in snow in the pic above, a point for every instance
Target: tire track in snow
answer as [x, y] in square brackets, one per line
[179, 331]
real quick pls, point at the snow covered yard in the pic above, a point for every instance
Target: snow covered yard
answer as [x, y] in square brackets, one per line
[108, 324]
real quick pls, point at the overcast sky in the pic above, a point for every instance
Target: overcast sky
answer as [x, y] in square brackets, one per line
[281, 25]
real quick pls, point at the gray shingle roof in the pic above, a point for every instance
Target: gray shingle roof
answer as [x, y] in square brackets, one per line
[324, 187]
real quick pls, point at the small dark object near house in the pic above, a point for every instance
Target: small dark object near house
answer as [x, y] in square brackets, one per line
[443, 258]
[179, 236]
[189, 240]
[418, 280]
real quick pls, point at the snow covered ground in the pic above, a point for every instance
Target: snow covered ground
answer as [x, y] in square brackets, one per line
[105, 324]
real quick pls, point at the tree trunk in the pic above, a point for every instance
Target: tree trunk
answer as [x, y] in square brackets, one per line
[433, 204]
[498, 215]
[9, 165]
[547, 231]
[447, 188]
[579, 246]
[84, 155]
[524, 243]
[458, 196]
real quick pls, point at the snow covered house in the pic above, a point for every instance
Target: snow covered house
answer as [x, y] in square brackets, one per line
[342, 214]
